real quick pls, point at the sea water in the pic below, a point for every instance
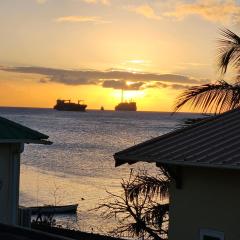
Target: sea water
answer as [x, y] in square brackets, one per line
[79, 166]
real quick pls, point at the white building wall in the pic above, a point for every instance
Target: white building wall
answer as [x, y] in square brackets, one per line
[209, 199]
[9, 182]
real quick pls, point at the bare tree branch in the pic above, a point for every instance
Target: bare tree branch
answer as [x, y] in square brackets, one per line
[139, 210]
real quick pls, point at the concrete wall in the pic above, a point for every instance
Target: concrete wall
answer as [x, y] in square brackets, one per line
[9, 182]
[208, 199]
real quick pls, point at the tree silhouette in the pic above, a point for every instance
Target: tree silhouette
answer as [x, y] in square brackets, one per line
[220, 96]
[142, 208]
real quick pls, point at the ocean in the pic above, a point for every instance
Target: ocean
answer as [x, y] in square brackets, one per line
[79, 166]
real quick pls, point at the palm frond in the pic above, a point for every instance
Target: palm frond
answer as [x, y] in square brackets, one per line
[156, 214]
[149, 186]
[228, 50]
[217, 98]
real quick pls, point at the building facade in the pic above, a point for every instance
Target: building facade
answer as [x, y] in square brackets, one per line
[203, 161]
[13, 136]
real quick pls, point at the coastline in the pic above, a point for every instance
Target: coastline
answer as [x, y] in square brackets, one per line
[39, 187]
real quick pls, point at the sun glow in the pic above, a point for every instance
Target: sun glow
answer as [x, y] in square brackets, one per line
[135, 65]
[137, 61]
[129, 83]
[128, 95]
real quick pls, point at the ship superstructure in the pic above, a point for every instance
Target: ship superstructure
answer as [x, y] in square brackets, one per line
[67, 105]
[126, 106]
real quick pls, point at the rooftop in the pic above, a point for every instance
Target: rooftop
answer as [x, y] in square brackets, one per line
[12, 132]
[8, 232]
[214, 142]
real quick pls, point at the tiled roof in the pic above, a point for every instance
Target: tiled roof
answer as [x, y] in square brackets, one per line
[13, 132]
[214, 142]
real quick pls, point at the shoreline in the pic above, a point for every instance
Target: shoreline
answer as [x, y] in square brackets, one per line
[47, 188]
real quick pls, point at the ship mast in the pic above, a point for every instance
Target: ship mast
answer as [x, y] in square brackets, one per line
[122, 96]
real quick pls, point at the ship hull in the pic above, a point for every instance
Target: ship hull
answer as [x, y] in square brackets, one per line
[68, 107]
[126, 107]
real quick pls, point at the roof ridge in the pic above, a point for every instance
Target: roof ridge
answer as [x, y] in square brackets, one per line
[19, 126]
[187, 140]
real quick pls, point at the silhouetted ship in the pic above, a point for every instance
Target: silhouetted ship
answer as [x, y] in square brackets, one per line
[126, 106]
[67, 105]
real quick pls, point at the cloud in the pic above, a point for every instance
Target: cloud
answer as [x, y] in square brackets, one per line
[43, 80]
[164, 85]
[115, 79]
[41, 1]
[82, 19]
[145, 10]
[179, 86]
[105, 2]
[121, 84]
[212, 10]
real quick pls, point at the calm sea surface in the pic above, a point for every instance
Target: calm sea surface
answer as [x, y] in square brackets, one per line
[78, 167]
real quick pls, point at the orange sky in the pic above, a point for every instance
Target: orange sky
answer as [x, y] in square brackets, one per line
[81, 49]
[26, 91]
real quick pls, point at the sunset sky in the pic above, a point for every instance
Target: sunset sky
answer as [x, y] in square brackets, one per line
[91, 49]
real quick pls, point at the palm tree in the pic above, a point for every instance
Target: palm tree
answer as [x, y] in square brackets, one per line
[143, 194]
[142, 208]
[221, 96]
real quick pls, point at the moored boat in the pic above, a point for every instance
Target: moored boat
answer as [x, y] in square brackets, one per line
[51, 209]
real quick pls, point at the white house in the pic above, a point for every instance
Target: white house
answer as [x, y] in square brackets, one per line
[204, 163]
[13, 136]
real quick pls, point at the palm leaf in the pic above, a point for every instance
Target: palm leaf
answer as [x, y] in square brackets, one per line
[156, 214]
[228, 50]
[217, 98]
[149, 186]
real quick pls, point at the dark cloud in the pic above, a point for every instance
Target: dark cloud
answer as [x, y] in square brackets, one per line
[135, 86]
[68, 77]
[114, 84]
[179, 86]
[164, 85]
[43, 80]
[116, 79]
[120, 84]
[78, 77]
[160, 85]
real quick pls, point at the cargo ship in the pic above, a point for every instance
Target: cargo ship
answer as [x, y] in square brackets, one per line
[67, 105]
[126, 106]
